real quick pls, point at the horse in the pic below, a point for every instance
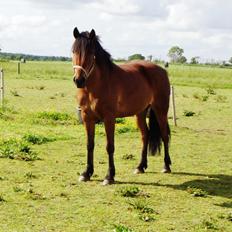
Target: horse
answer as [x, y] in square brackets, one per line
[106, 91]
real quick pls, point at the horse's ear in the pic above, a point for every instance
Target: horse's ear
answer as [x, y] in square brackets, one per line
[92, 34]
[76, 33]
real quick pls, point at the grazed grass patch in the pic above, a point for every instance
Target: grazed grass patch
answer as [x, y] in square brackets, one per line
[6, 113]
[31, 194]
[40, 87]
[221, 99]
[54, 118]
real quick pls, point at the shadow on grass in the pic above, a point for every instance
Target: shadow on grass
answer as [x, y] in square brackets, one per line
[214, 185]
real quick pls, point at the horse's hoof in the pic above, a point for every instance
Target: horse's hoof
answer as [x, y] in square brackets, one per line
[107, 182]
[84, 178]
[166, 170]
[138, 171]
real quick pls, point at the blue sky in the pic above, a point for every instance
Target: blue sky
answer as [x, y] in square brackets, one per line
[149, 27]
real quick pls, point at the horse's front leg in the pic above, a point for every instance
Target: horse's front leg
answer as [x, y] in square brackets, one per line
[90, 131]
[109, 128]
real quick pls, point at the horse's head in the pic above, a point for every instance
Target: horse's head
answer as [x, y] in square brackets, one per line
[83, 56]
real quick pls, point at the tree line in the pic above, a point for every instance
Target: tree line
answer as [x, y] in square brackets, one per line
[20, 56]
[175, 54]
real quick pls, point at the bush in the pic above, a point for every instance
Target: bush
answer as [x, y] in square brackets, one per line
[125, 128]
[128, 191]
[16, 149]
[210, 91]
[196, 192]
[128, 157]
[136, 57]
[120, 120]
[37, 139]
[121, 228]
[189, 113]
[52, 117]
[55, 116]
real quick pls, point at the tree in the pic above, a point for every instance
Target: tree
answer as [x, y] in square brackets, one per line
[182, 60]
[230, 60]
[136, 57]
[195, 60]
[149, 57]
[175, 54]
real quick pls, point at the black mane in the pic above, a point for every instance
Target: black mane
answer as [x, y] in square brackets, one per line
[83, 45]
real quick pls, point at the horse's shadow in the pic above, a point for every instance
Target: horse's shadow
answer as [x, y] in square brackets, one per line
[214, 185]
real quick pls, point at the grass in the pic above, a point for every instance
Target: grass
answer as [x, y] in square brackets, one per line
[196, 192]
[121, 228]
[37, 139]
[200, 76]
[44, 194]
[17, 149]
[128, 191]
[189, 113]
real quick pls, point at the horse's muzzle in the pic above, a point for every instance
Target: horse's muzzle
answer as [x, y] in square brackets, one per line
[79, 82]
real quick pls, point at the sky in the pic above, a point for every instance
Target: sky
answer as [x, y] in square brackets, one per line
[150, 27]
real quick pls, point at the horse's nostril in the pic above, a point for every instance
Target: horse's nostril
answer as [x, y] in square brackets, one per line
[80, 82]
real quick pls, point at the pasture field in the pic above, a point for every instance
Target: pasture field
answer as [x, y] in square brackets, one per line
[42, 152]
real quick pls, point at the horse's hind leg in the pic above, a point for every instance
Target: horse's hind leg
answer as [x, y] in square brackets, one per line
[162, 119]
[142, 125]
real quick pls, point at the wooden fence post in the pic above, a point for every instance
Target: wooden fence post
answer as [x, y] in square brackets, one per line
[2, 87]
[18, 67]
[173, 105]
[79, 115]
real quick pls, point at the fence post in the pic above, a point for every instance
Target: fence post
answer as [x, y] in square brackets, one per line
[18, 67]
[2, 87]
[79, 115]
[173, 105]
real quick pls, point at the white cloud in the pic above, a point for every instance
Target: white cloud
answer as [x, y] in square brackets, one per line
[119, 7]
[125, 26]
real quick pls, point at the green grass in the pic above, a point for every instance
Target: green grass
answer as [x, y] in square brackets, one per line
[200, 76]
[43, 194]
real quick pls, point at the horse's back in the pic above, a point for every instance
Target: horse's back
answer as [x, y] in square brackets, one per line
[155, 76]
[137, 84]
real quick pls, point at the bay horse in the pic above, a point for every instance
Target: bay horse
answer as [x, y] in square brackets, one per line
[106, 91]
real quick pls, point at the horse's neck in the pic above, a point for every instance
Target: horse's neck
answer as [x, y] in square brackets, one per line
[99, 82]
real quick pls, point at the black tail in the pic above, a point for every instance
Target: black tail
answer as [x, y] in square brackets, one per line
[154, 142]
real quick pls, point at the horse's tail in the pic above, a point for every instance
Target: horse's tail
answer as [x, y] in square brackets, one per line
[154, 142]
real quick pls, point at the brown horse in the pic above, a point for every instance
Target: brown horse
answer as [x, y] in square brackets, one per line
[106, 91]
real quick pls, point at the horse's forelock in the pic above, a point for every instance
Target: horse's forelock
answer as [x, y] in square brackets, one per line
[83, 42]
